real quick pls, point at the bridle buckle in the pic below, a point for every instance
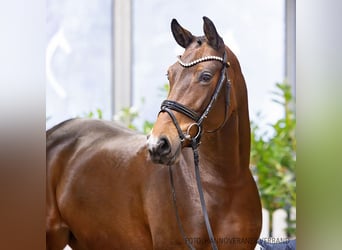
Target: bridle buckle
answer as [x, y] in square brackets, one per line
[188, 131]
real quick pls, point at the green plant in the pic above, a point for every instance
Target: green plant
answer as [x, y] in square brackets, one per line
[127, 116]
[98, 114]
[274, 157]
[147, 127]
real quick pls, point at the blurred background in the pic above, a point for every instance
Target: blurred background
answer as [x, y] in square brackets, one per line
[110, 54]
[108, 59]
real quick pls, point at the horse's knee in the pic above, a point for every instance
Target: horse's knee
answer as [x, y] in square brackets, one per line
[57, 237]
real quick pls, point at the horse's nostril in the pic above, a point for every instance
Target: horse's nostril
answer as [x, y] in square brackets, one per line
[164, 146]
[158, 148]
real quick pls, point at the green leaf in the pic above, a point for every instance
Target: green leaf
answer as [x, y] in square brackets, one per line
[274, 155]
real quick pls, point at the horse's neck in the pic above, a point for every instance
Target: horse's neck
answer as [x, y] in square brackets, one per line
[226, 152]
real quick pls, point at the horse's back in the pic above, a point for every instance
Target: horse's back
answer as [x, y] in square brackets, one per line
[73, 129]
[72, 136]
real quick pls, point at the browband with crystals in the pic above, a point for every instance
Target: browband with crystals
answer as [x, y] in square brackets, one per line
[203, 59]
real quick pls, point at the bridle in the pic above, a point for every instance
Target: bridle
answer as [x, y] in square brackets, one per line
[169, 106]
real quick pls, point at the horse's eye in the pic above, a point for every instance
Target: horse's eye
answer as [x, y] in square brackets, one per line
[205, 77]
[167, 76]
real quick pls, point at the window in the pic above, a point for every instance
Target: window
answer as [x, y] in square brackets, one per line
[78, 59]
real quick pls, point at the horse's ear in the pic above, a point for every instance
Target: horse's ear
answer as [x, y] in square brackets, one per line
[181, 35]
[211, 34]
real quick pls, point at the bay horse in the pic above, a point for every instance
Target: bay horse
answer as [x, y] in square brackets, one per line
[188, 186]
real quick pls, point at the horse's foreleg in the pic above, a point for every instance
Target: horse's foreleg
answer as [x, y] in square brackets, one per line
[57, 232]
[57, 235]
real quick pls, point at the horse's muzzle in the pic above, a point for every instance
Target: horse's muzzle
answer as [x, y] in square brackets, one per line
[159, 149]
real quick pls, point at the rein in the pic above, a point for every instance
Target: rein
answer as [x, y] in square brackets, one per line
[169, 106]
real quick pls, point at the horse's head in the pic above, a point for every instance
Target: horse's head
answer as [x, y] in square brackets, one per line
[199, 95]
